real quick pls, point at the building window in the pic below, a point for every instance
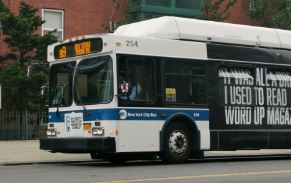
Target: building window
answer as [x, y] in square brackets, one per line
[54, 20]
[188, 4]
[113, 25]
[165, 3]
[150, 16]
[252, 6]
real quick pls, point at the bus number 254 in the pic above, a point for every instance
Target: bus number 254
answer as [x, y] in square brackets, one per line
[131, 43]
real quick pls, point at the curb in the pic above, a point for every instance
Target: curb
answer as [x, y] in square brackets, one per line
[46, 162]
[255, 156]
[206, 159]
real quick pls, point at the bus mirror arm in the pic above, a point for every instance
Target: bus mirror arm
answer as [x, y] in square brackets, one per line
[58, 114]
[120, 95]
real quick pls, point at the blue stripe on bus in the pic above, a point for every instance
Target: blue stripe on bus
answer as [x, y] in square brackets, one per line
[133, 114]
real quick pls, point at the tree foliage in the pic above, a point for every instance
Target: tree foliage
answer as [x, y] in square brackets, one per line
[216, 10]
[21, 91]
[13, 80]
[131, 12]
[272, 13]
[21, 31]
[3, 11]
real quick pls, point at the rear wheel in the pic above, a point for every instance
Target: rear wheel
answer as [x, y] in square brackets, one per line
[94, 156]
[177, 144]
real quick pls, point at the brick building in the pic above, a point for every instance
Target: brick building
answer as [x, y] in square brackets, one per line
[145, 9]
[80, 17]
[71, 17]
[239, 13]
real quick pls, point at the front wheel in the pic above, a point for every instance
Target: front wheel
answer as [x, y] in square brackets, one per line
[177, 144]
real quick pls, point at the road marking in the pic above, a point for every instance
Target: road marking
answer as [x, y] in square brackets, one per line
[197, 176]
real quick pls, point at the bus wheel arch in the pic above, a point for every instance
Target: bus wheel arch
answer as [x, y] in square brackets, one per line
[179, 126]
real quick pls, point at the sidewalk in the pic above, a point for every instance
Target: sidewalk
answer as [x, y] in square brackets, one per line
[28, 152]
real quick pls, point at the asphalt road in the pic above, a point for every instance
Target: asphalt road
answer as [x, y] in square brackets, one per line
[238, 170]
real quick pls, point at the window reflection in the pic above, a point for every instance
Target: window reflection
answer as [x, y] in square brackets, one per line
[94, 81]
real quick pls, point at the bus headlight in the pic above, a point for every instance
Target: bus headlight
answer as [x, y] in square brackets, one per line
[51, 132]
[98, 131]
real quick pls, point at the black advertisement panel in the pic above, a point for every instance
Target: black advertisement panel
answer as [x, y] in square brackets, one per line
[255, 98]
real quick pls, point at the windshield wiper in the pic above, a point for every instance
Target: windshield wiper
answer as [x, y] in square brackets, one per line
[86, 112]
[58, 102]
[58, 114]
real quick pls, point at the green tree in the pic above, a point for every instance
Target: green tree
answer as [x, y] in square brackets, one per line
[3, 10]
[216, 10]
[20, 92]
[132, 12]
[13, 80]
[29, 49]
[42, 44]
[272, 13]
[21, 32]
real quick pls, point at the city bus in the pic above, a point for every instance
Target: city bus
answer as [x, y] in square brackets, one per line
[171, 88]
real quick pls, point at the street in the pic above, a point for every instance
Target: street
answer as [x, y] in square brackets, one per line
[166, 80]
[239, 170]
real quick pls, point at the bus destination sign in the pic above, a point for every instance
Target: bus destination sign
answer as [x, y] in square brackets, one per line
[78, 48]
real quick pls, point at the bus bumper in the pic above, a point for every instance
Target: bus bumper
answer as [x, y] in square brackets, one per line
[79, 145]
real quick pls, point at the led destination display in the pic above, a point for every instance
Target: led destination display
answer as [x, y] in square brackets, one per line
[78, 48]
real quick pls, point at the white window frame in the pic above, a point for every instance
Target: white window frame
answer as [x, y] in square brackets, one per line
[112, 26]
[46, 29]
[252, 6]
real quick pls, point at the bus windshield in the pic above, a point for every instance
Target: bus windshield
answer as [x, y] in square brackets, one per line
[61, 84]
[94, 81]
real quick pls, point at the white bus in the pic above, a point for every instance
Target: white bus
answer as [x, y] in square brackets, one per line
[170, 87]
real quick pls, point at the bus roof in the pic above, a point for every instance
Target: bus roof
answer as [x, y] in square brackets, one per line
[176, 28]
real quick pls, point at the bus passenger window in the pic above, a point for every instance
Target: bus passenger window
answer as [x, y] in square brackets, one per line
[138, 73]
[185, 82]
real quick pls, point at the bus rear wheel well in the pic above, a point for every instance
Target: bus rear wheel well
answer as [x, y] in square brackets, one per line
[189, 123]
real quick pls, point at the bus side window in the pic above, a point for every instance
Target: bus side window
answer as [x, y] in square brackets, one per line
[185, 82]
[138, 72]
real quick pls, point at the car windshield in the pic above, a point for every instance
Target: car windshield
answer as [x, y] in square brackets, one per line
[94, 81]
[61, 84]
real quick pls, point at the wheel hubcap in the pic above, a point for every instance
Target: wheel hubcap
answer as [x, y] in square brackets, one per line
[178, 143]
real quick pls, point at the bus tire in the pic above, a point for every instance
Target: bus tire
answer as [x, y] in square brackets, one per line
[115, 158]
[94, 156]
[177, 143]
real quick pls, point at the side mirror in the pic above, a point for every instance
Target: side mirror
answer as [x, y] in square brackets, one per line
[124, 88]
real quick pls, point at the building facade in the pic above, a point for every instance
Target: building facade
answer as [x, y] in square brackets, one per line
[147, 9]
[239, 13]
[72, 18]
